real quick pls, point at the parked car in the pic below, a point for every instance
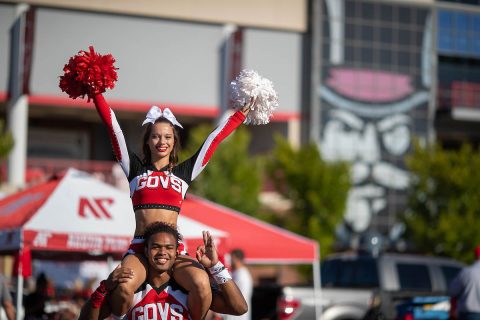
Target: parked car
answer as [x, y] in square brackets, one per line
[364, 286]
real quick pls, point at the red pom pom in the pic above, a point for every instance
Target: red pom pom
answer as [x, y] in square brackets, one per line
[88, 73]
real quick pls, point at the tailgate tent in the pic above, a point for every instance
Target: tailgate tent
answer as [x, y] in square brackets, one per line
[80, 217]
[262, 243]
[76, 213]
[75, 217]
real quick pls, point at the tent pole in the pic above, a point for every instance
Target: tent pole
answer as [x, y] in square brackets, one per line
[19, 287]
[19, 297]
[317, 285]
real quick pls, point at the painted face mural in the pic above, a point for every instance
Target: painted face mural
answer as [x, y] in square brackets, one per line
[376, 71]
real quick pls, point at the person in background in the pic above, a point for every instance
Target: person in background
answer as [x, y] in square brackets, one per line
[242, 277]
[6, 299]
[464, 291]
[35, 302]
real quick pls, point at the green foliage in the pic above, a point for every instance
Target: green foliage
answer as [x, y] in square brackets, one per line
[6, 141]
[232, 177]
[318, 190]
[444, 207]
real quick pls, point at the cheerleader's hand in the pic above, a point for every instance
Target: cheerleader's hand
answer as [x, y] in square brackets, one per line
[248, 106]
[119, 275]
[88, 73]
[207, 253]
[255, 95]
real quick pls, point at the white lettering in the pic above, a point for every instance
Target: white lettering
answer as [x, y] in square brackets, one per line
[177, 312]
[78, 241]
[152, 182]
[164, 181]
[115, 244]
[137, 313]
[150, 312]
[41, 239]
[141, 183]
[163, 311]
[176, 184]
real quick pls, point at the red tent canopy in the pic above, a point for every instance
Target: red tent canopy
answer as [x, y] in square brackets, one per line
[261, 242]
[77, 213]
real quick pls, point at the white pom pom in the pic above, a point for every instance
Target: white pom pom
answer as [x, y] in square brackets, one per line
[250, 84]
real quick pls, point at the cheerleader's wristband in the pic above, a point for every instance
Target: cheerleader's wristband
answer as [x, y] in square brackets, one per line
[98, 295]
[216, 268]
[220, 273]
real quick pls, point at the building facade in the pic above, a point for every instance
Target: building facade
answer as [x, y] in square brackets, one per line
[361, 78]
[387, 73]
[168, 54]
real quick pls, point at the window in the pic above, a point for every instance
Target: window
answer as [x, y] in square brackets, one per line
[329, 273]
[59, 144]
[458, 33]
[355, 273]
[464, 1]
[449, 273]
[414, 277]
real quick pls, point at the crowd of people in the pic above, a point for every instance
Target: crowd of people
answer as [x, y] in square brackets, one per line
[42, 300]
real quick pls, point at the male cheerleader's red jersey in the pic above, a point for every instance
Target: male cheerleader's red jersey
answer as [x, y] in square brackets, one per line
[167, 302]
[153, 188]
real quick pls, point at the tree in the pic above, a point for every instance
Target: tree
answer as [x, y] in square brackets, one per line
[6, 142]
[232, 177]
[444, 209]
[318, 190]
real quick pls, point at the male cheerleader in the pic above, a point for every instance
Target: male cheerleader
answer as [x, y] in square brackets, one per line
[160, 297]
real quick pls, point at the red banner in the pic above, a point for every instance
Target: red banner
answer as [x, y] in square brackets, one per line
[76, 242]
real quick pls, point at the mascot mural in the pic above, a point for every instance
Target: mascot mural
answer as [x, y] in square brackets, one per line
[375, 92]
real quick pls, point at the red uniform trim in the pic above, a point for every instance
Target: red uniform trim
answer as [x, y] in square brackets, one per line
[105, 114]
[232, 123]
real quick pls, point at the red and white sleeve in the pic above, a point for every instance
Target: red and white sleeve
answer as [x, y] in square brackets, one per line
[114, 131]
[214, 139]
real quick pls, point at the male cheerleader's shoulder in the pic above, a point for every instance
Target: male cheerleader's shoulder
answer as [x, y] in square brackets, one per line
[89, 73]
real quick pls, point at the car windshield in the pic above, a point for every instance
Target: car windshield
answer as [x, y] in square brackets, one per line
[358, 273]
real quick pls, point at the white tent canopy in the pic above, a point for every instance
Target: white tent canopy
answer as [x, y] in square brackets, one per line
[76, 212]
[74, 216]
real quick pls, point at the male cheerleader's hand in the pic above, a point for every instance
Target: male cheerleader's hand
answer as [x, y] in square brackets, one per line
[119, 275]
[207, 253]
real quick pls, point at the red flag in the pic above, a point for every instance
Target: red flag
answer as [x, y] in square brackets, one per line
[25, 257]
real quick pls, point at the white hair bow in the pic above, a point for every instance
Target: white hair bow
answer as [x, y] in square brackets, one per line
[155, 112]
